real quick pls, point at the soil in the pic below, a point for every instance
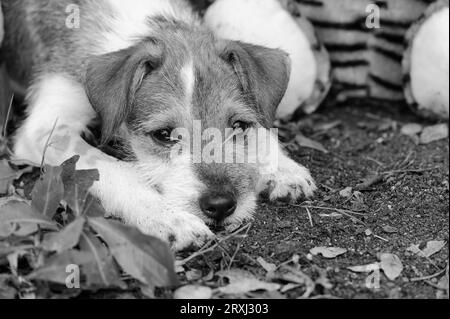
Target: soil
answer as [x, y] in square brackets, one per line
[414, 202]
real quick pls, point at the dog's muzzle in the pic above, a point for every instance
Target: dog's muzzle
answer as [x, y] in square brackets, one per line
[218, 207]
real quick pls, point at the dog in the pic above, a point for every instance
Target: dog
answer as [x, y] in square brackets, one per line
[145, 68]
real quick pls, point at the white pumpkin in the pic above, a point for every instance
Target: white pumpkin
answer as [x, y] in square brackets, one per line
[426, 63]
[268, 23]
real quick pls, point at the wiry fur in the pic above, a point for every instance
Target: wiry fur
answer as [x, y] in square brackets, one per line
[141, 66]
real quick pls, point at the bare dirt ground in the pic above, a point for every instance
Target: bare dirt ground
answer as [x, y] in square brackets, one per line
[408, 206]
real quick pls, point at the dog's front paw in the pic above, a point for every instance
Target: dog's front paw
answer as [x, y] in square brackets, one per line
[290, 182]
[180, 230]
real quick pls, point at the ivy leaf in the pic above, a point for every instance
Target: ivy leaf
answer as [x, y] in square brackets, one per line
[48, 192]
[7, 177]
[56, 268]
[15, 212]
[66, 239]
[146, 258]
[101, 272]
[77, 185]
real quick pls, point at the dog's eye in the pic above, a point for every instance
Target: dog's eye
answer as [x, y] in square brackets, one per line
[241, 126]
[163, 136]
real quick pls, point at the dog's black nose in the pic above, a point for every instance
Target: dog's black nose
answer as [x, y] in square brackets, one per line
[218, 207]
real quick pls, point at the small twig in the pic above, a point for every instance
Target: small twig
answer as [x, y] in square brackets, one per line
[340, 211]
[208, 248]
[5, 124]
[371, 181]
[411, 170]
[47, 144]
[381, 238]
[310, 217]
[429, 277]
[238, 248]
[375, 161]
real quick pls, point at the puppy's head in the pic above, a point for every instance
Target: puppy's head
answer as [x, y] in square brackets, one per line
[170, 91]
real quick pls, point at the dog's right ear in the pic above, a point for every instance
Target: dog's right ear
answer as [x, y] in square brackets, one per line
[113, 79]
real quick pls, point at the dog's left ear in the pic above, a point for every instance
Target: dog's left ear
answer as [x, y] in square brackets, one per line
[112, 81]
[263, 73]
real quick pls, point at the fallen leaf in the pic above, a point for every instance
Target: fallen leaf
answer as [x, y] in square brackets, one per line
[146, 258]
[309, 143]
[327, 126]
[365, 268]
[269, 267]
[101, 272]
[433, 247]
[412, 129]
[193, 293]
[390, 229]
[65, 239]
[347, 192]
[48, 192]
[328, 252]
[392, 265]
[434, 133]
[430, 249]
[241, 282]
[368, 232]
[193, 275]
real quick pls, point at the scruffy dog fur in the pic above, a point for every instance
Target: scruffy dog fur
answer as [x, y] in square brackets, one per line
[145, 68]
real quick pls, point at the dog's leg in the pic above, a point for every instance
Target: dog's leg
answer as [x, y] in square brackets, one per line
[281, 178]
[59, 111]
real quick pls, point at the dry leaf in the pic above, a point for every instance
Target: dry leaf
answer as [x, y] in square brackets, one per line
[392, 265]
[434, 133]
[433, 247]
[412, 129]
[365, 268]
[309, 143]
[390, 229]
[269, 267]
[242, 282]
[347, 192]
[328, 252]
[193, 293]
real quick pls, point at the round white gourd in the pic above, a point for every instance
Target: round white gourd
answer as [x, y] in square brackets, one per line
[426, 63]
[267, 23]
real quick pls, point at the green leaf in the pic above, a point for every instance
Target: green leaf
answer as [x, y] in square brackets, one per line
[66, 239]
[102, 271]
[56, 268]
[146, 258]
[48, 192]
[77, 185]
[7, 177]
[15, 212]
